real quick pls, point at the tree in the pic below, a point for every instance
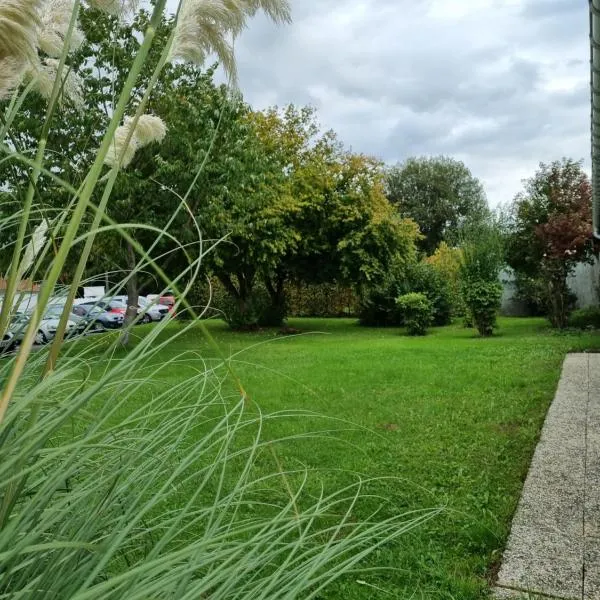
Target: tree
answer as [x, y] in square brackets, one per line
[236, 197]
[203, 121]
[252, 211]
[440, 194]
[344, 228]
[446, 260]
[550, 231]
[482, 259]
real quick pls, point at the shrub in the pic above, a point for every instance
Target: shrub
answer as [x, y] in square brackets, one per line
[586, 318]
[377, 304]
[208, 296]
[530, 291]
[425, 279]
[482, 261]
[417, 312]
[250, 314]
[446, 261]
[271, 314]
[322, 300]
[483, 301]
[302, 300]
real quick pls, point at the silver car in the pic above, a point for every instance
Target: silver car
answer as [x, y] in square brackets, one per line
[151, 310]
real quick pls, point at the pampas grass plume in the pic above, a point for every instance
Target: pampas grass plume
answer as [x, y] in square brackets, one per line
[149, 129]
[19, 21]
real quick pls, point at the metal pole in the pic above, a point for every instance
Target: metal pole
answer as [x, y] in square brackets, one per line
[595, 102]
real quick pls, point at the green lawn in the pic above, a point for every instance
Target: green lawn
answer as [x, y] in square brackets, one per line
[452, 417]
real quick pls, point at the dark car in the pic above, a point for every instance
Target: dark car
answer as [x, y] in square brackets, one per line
[97, 316]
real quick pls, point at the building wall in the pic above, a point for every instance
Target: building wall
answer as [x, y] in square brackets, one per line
[584, 283]
[510, 306]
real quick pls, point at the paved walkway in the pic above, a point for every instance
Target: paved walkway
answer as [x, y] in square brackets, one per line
[554, 545]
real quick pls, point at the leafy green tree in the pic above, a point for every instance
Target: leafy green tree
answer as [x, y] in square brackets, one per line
[446, 261]
[482, 259]
[238, 198]
[284, 201]
[344, 228]
[440, 194]
[235, 196]
[550, 232]
[200, 119]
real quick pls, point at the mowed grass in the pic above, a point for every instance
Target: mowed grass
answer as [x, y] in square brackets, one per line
[449, 420]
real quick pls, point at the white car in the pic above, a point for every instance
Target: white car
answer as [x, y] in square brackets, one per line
[156, 311]
[46, 330]
[49, 325]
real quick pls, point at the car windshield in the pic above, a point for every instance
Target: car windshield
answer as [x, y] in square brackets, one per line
[53, 312]
[93, 307]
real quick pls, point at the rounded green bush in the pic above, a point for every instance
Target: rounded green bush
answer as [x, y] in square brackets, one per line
[483, 301]
[586, 318]
[417, 312]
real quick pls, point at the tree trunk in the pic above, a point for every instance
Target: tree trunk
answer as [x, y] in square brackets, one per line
[132, 296]
[276, 314]
[558, 300]
[242, 316]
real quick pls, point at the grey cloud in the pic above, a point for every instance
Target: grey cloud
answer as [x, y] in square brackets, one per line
[398, 78]
[548, 9]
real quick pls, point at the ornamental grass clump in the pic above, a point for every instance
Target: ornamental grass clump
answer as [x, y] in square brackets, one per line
[112, 486]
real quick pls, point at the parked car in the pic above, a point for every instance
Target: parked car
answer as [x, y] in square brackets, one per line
[49, 325]
[8, 342]
[18, 324]
[156, 310]
[167, 299]
[151, 311]
[114, 306]
[98, 316]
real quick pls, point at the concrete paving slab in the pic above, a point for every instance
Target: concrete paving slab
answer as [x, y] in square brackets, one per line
[543, 561]
[506, 594]
[592, 486]
[540, 509]
[553, 549]
[591, 580]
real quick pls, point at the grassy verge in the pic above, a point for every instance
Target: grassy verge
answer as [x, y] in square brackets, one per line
[450, 418]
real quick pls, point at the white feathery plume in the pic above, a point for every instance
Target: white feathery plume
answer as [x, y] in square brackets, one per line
[45, 73]
[115, 7]
[11, 75]
[55, 18]
[19, 21]
[149, 129]
[120, 149]
[34, 246]
[209, 26]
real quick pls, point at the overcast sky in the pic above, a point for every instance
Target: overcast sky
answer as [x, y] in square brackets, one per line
[499, 84]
